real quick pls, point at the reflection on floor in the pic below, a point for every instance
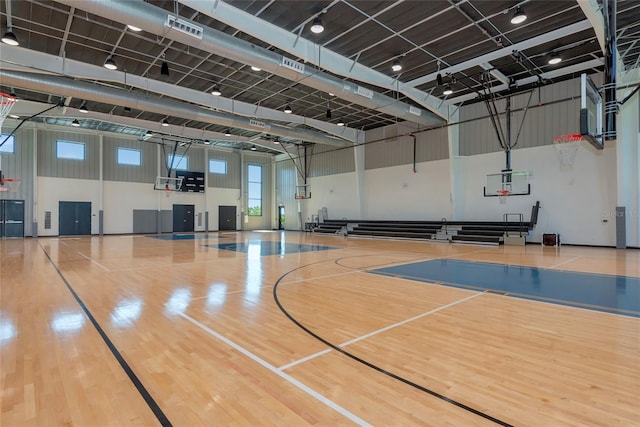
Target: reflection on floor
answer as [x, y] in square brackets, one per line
[186, 236]
[612, 294]
[265, 248]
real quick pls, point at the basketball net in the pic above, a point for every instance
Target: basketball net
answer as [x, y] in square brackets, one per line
[502, 196]
[567, 146]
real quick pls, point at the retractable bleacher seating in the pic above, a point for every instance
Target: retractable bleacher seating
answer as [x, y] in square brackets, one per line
[479, 232]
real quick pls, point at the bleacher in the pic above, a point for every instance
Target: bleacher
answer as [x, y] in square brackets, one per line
[479, 232]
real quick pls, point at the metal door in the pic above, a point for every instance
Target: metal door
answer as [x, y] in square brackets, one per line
[12, 218]
[226, 218]
[183, 218]
[74, 218]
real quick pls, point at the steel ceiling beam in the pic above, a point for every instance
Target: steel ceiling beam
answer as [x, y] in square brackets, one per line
[155, 104]
[319, 56]
[29, 108]
[500, 53]
[152, 19]
[13, 57]
[594, 63]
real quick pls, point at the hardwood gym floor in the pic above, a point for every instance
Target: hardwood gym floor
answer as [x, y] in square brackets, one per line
[296, 329]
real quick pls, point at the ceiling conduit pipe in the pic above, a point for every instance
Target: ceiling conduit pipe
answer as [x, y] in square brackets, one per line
[155, 104]
[154, 20]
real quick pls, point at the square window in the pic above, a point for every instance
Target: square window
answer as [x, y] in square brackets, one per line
[8, 146]
[129, 156]
[180, 162]
[70, 150]
[217, 166]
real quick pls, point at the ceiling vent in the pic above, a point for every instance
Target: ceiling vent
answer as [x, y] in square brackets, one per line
[258, 124]
[415, 111]
[292, 65]
[363, 91]
[184, 26]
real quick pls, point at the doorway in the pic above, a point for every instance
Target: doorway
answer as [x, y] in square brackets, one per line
[281, 217]
[183, 218]
[74, 218]
[226, 218]
[11, 218]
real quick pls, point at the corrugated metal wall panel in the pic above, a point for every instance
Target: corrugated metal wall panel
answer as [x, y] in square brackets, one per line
[232, 178]
[395, 150]
[112, 171]
[327, 160]
[50, 165]
[19, 165]
[552, 111]
[196, 156]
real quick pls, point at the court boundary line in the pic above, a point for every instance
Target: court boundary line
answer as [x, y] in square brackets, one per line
[144, 393]
[378, 331]
[411, 319]
[94, 261]
[371, 365]
[304, 359]
[349, 415]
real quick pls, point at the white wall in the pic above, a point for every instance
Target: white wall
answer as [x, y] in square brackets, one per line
[338, 193]
[223, 197]
[120, 199]
[397, 193]
[574, 201]
[53, 190]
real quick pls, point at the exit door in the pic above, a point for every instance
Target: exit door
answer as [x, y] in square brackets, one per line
[74, 218]
[183, 218]
[227, 218]
[281, 218]
[11, 218]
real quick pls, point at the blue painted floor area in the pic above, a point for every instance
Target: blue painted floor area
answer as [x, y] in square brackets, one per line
[611, 294]
[265, 248]
[185, 236]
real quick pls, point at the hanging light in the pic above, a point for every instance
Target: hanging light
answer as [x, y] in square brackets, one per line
[110, 63]
[396, 66]
[75, 123]
[216, 90]
[253, 148]
[134, 28]
[519, 16]
[10, 38]
[83, 108]
[149, 134]
[288, 109]
[554, 58]
[340, 122]
[254, 68]
[165, 122]
[316, 26]
[164, 69]
[227, 132]
[447, 90]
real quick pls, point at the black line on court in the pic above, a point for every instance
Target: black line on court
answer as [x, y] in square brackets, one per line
[375, 367]
[162, 418]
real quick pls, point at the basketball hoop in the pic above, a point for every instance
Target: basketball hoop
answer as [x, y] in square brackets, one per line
[502, 196]
[567, 146]
[9, 185]
[6, 104]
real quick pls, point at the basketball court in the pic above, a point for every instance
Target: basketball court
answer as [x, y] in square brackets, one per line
[327, 213]
[297, 328]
